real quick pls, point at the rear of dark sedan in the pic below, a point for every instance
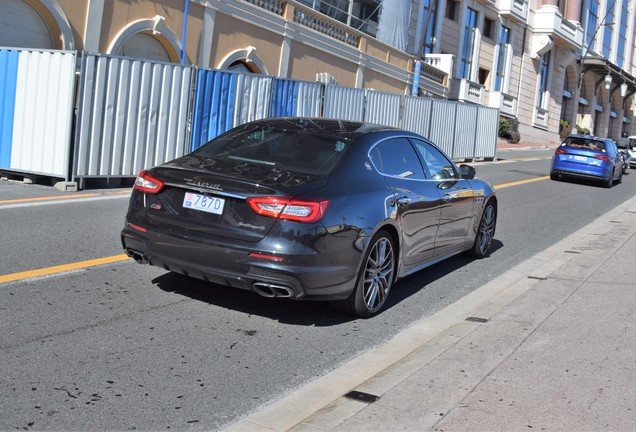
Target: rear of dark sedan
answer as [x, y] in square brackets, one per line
[246, 210]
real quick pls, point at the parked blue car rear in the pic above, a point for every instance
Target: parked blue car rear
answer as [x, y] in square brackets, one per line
[587, 157]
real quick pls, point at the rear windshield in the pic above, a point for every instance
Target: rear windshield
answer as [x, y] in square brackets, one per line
[584, 143]
[622, 143]
[296, 150]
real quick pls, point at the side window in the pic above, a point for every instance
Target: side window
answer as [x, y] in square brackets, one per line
[396, 157]
[439, 167]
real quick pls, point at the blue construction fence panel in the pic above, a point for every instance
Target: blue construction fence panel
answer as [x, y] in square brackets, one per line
[224, 100]
[214, 105]
[36, 108]
[295, 99]
[8, 84]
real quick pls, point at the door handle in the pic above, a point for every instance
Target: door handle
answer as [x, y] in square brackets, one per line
[403, 200]
[447, 197]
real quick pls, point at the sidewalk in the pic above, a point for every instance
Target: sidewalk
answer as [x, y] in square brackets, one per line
[503, 145]
[550, 345]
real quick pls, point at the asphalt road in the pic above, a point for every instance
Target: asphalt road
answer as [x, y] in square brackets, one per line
[121, 346]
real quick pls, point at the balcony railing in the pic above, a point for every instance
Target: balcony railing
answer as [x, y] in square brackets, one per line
[507, 104]
[275, 6]
[516, 9]
[468, 91]
[548, 20]
[541, 117]
[322, 24]
[441, 62]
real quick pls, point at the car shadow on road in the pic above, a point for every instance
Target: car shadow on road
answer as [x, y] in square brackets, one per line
[418, 282]
[588, 182]
[304, 313]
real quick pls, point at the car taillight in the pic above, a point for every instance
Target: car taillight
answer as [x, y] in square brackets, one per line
[601, 157]
[289, 209]
[561, 151]
[146, 183]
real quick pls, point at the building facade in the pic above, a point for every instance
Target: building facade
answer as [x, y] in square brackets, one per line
[550, 66]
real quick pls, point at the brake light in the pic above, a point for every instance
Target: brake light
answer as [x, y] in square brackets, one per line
[561, 151]
[288, 208]
[146, 183]
[137, 227]
[601, 157]
[275, 258]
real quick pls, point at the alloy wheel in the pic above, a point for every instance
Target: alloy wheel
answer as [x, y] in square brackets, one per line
[378, 274]
[487, 229]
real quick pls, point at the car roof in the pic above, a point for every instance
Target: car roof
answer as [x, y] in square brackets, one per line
[341, 128]
[589, 137]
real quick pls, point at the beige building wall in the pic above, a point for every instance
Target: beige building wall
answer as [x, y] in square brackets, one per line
[527, 94]
[306, 62]
[231, 34]
[449, 41]
[518, 58]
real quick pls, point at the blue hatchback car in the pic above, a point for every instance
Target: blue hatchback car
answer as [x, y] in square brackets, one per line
[587, 157]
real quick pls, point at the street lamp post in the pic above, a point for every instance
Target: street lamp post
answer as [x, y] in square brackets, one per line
[418, 59]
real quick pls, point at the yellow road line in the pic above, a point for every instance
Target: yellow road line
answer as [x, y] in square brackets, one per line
[61, 197]
[520, 182]
[61, 268]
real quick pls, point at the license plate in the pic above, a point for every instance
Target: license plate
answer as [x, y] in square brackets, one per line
[203, 203]
[580, 158]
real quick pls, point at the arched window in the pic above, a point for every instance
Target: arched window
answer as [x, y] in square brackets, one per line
[148, 39]
[21, 26]
[143, 46]
[244, 60]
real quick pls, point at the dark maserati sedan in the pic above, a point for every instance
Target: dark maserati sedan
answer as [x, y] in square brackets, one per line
[309, 209]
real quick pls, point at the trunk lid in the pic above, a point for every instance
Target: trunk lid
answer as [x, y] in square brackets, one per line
[207, 197]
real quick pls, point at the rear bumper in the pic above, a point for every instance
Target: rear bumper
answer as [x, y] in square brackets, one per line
[234, 267]
[583, 171]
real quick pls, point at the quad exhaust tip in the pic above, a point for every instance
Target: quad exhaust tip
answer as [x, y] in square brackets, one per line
[137, 256]
[271, 290]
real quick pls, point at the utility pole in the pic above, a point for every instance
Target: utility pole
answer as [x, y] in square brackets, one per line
[418, 59]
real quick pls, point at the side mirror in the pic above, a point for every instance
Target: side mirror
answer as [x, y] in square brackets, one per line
[467, 172]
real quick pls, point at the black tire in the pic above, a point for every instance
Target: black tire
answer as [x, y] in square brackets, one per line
[375, 278]
[610, 182]
[485, 232]
[554, 176]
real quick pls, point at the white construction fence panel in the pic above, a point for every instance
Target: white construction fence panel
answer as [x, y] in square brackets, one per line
[383, 108]
[465, 130]
[417, 115]
[344, 103]
[132, 115]
[487, 131]
[253, 96]
[442, 129]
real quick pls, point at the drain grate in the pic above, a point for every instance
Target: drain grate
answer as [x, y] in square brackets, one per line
[477, 319]
[362, 396]
[537, 278]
